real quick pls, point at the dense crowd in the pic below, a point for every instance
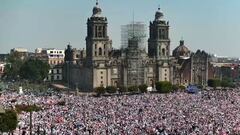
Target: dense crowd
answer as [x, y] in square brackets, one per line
[208, 112]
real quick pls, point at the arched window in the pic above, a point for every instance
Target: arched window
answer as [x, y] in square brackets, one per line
[100, 51]
[163, 52]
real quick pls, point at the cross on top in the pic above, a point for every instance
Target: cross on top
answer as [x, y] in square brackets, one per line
[96, 2]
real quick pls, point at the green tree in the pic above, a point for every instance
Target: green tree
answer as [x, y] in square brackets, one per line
[214, 83]
[111, 89]
[132, 89]
[181, 87]
[227, 82]
[99, 90]
[122, 89]
[175, 87]
[12, 69]
[143, 88]
[164, 87]
[34, 70]
[8, 121]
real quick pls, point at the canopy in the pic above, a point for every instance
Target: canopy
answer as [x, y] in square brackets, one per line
[192, 89]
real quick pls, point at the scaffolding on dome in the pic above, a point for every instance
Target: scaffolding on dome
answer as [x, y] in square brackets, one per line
[134, 30]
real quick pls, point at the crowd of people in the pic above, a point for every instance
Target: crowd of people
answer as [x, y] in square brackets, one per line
[180, 113]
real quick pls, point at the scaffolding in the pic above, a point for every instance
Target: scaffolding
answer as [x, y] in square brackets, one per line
[136, 30]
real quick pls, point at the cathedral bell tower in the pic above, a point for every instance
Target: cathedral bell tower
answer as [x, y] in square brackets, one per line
[98, 44]
[159, 42]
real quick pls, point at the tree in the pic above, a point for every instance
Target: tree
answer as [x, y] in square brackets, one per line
[12, 68]
[111, 89]
[214, 83]
[181, 87]
[34, 70]
[8, 121]
[175, 87]
[143, 88]
[122, 89]
[227, 82]
[164, 87]
[132, 89]
[99, 90]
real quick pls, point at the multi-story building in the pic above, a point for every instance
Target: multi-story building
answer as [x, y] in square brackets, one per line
[3, 62]
[55, 58]
[132, 65]
[21, 53]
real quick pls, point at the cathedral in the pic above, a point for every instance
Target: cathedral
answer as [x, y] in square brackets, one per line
[101, 65]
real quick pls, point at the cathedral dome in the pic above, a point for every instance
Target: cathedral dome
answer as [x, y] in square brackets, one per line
[181, 51]
[97, 11]
[158, 15]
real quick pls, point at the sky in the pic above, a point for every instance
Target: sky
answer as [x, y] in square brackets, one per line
[210, 25]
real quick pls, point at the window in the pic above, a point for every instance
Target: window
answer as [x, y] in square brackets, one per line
[104, 33]
[104, 46]
[150, 69]
[115, 71]
[101, 72]
[115, 83]
[95, 53]
[57, 77]
[51, 51]
[100, 51]
[100, 31]
[101, 82]
[101, 77]
[57, 71]
[95, 46]
[52, 77]
[163, 52]
[95, 31]
[165, 74]
[165, 79]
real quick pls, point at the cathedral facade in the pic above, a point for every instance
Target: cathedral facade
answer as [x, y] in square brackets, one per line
[101, 65]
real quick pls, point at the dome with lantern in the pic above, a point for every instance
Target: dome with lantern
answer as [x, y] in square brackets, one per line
[181, 51]
[158, 15]
[97, 11]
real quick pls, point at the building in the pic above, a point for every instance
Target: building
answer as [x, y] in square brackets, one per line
[191, 67]
[55, 58]
[21, 53]
[3, 63]
[132, 65]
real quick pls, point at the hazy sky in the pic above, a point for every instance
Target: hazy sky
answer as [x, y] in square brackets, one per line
[211, 25]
